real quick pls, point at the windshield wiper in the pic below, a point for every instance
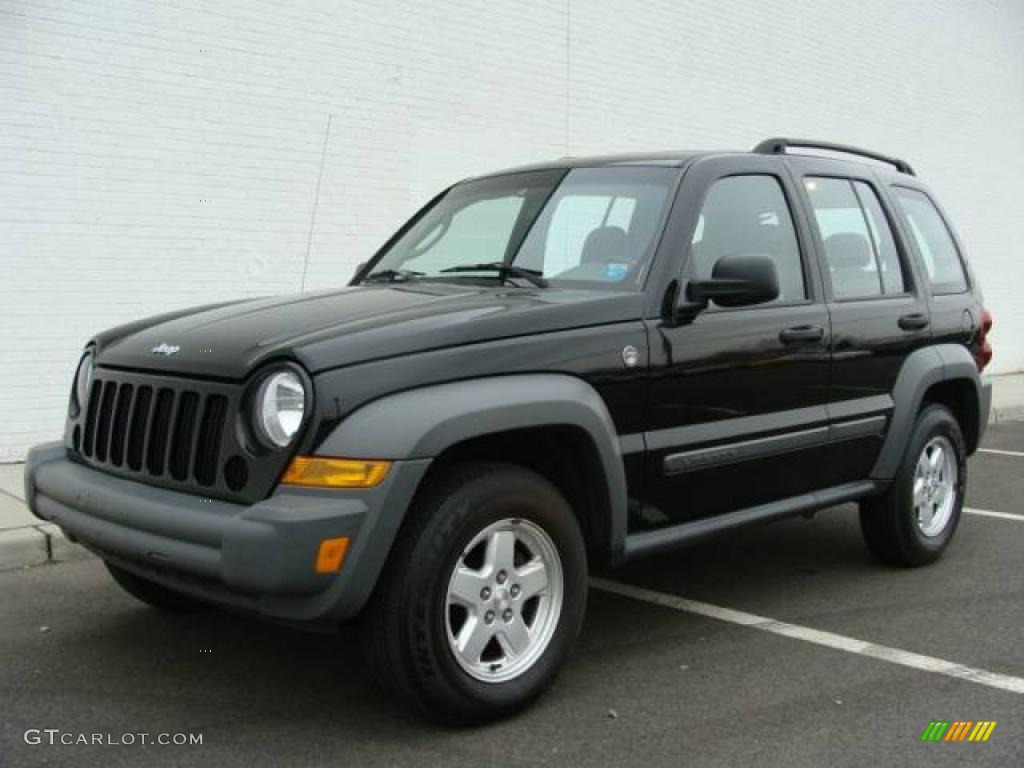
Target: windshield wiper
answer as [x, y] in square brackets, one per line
[391, 276]
[505, 270]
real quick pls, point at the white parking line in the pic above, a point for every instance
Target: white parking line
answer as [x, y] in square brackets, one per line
[989, 513]
[817, 636]
[996, 451]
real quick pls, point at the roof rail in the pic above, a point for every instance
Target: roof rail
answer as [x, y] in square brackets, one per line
[779, 146]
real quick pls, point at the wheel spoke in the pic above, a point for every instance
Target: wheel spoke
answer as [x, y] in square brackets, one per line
[467, 585]
[514, 637]
[473, 638]
[500, 554]
[935, 460]
[919, 492]
[923, 464]
[532, 578]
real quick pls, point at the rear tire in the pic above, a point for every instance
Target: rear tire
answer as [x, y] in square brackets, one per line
[483, 595]
[913, 522]
[151, 593]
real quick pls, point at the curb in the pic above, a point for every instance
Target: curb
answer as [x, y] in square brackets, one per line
[1009, 413]
[23, 547]
[37, 545]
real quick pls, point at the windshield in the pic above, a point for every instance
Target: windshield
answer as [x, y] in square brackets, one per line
[588, 228]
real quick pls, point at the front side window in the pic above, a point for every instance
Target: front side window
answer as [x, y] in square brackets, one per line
[749, 215]
[586, 228]
[860, 250]
[934, 242]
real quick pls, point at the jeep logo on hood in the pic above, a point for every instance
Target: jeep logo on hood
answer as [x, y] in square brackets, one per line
[165, 349]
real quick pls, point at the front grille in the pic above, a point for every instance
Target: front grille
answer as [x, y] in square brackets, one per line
[166, 431]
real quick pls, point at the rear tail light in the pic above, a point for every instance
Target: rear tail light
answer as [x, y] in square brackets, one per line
[982, 346]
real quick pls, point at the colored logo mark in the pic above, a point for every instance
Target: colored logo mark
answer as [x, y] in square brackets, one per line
[958, 730]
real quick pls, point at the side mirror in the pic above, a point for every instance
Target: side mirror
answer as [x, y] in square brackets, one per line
[737, 280]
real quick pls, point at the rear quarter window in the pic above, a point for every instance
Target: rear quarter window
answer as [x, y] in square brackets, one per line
[935, 244]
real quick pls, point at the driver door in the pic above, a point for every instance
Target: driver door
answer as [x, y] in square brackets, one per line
[737, 410]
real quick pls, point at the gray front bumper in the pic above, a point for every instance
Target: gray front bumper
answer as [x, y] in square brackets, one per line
[258, 558]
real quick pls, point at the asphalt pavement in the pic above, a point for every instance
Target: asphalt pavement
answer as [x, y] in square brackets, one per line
[649, 685]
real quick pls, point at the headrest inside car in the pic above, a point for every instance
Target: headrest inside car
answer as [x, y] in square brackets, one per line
[848, 250]
[604, 244]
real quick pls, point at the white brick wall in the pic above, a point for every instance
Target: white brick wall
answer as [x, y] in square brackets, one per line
[115, 125]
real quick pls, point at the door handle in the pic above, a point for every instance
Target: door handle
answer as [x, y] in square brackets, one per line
[914, 322]
[801, 333]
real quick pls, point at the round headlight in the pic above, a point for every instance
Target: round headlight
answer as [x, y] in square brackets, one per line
[280, 404]
[83, 378]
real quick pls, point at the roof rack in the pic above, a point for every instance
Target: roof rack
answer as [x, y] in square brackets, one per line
[779, 147]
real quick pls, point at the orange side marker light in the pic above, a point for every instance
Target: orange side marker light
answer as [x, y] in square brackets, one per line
[331, 555]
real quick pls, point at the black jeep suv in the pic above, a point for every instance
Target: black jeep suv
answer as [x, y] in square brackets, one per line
[577, 362]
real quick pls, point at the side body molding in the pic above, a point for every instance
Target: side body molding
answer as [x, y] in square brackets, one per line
[422, 423]
[922, 369]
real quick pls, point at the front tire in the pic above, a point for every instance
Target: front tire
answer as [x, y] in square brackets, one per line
[483, 596]
[913, 522]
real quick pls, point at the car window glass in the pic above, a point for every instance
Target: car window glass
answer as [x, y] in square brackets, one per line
[934, 242]
[598, 226]
[581, 228]
[860, 251]
[620, 214]
[881, 238]
[477, 233]
[574, 218]
[749, 215]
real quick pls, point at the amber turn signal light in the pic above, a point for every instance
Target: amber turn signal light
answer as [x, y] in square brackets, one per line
[331, 554]
[326, 472]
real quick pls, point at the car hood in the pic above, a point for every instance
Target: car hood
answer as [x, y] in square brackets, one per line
[351, 325]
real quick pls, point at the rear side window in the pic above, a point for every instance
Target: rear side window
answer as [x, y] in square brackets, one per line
[934, 242]
[860, 250]
[882, 240]
[749, 215]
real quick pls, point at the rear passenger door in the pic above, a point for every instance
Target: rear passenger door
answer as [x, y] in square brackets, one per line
[878, 309]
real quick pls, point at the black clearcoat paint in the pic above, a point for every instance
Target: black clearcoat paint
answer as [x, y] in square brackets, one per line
[362, 342]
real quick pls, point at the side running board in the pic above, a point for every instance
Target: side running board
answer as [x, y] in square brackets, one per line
[664, 539]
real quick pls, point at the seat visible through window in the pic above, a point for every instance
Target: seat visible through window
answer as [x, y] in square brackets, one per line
[860, 250]
[850, 263]
[605, 244]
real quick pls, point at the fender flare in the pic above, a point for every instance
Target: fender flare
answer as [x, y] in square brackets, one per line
[921, 370]
[421, 423]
